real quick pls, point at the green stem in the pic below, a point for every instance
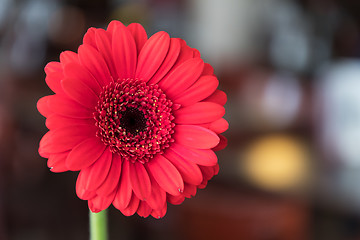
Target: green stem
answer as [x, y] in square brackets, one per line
[98, 225]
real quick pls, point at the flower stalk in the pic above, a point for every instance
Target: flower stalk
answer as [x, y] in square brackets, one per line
[98, 225]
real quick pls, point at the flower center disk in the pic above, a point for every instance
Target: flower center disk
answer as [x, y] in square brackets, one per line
[134, 119]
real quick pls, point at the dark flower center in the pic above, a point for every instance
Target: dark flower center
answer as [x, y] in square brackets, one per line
[134, 119]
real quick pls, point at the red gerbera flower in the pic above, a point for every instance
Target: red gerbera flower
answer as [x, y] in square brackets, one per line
[139, 118]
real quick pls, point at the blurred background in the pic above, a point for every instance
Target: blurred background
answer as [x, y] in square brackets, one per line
[291, 70]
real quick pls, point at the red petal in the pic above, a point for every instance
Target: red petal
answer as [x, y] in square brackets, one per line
[112, 26]
[99, 203]
[57, 121]
[53, 80]
[54, 158]
[132, 207]
[80, 92]
[69, 108]
[43, 106]
[198, 156]
[152, 55]
[80, 73]
[95, 64]
[216, 169]
[196, 53]
[139, 34]
[112, 179]
[103, 41]
[45, 144]
[53, 67]
[89, 37]
[124, 52]
[222, 144]
[201, 89]
[201, 112]
[140, 180]
[208, 69]
[81, 191]
[56, 162]
[175, 200]
[68, 57]
[124, 191]
[219, 126]
[186, 53]
[59, 167]
[54, 74]
[202, 185]
[159, 213]
[144, 209]
[182, 77]
[166, 175]
[64, 139]
[195, 136]
[189, 171]
[157, 198]
[95, 174]
[85, 154]
[209, 172]
[168, 63]
[218, 97]
[190, 190]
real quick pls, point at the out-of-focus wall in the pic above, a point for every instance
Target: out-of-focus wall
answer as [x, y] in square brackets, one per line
[290, 69]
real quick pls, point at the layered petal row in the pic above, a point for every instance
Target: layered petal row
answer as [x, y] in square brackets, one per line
[138, 117]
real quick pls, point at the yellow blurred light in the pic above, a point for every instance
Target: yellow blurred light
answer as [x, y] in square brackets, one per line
[277, 163]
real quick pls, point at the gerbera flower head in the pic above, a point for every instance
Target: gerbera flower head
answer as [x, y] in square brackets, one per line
[139, 118]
